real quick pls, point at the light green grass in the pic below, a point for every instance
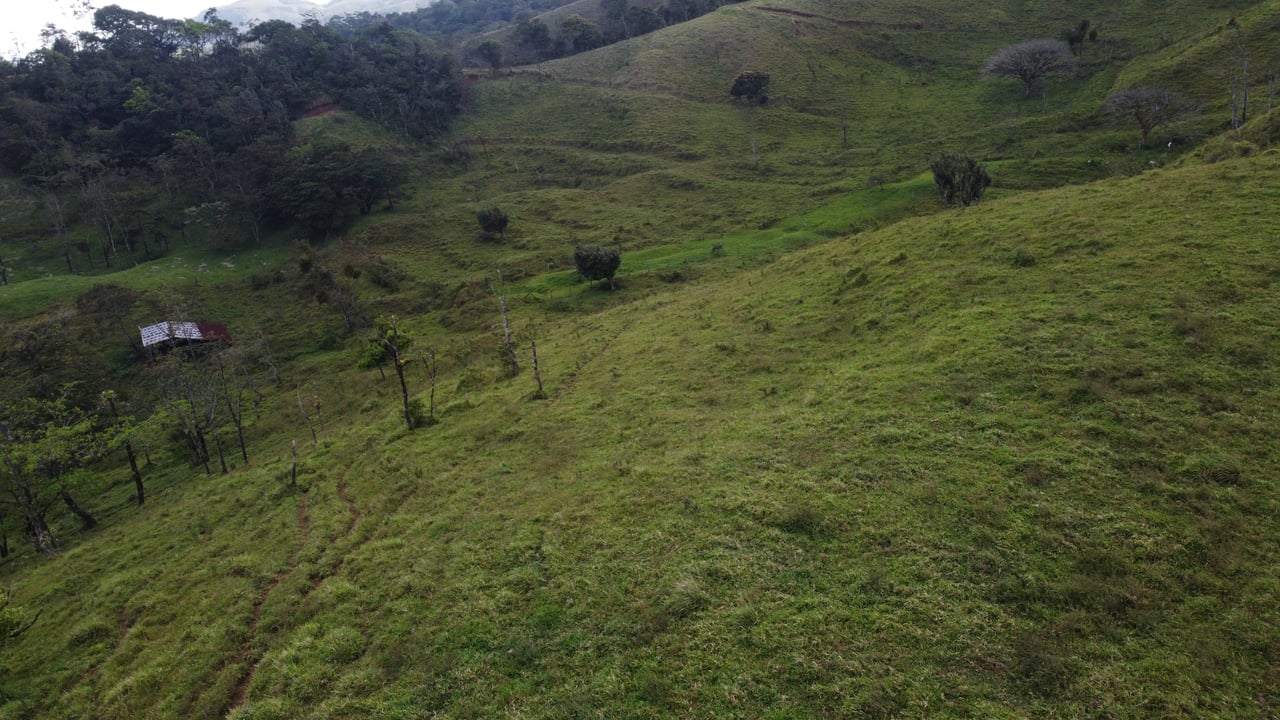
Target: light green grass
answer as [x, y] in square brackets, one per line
[1010, 461]
[893, 474]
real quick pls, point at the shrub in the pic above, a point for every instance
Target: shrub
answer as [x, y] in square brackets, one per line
[597, 263]
[751, 86]
[492, 220]
[961, 180]
[1023, 258]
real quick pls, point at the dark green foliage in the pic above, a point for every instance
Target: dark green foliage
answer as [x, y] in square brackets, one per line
[961, 180]
[1076, 36]
[597, 263]
[205, 113]
[579, 34]
[492, 220]
[1023, 257]
[490, 51]
[534, 38]
[751, 86]
[323, 187]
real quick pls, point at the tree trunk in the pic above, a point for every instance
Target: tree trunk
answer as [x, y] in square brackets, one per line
[87, 521]
[133, 467]
[41, 537]
[404, 389]
[537, 374]
[222, 458]
[202, 448]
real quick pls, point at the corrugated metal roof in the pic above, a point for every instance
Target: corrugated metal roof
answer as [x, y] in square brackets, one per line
[170, 331]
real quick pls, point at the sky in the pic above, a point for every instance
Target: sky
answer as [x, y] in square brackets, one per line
[22, 20]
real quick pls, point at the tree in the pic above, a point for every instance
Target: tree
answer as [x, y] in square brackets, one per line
[42, 444]
[751, 86]
[534, 35]
[1076, 36]
[123, 428]
[1030, 61]
[579, 33]
[491, 52]
[1149, 107]
[597, 263]
[960, 179]
[390, 343]
[492, 220]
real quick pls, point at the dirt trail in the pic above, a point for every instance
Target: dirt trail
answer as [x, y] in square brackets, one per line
[242, 685]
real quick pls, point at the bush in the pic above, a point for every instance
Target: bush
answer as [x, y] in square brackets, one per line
[751, 86]
[597, 263]
[961, 180]
[492, 220]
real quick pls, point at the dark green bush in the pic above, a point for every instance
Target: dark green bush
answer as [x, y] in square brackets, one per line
[597, 263]
[961, 180]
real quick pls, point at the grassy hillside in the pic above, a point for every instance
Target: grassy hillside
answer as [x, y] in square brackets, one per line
[831, 450]
[1012, 461]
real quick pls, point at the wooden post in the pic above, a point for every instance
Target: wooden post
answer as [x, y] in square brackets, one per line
[293, 473]
[537, 376]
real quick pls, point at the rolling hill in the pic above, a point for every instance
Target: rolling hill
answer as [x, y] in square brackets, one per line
[831, 450]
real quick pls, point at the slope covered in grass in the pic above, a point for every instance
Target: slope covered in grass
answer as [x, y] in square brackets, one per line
[820, 455]
[1013, 461]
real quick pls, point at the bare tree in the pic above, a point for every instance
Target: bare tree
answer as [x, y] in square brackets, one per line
[508, 344]
[1030, 61]
[1149, 107]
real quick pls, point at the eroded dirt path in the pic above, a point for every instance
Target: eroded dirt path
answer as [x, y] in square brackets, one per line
[242, 685]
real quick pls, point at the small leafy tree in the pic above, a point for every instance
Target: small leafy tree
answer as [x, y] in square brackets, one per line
[1149, 107]
[961, 180]
[42, 445]
[751, 86]
[597, 263]
[1030, 61]
[491, 52]
[579, 33]
[390, 343]
[492, 220]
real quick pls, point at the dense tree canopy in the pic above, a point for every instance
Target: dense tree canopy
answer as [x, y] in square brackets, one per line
[202, 114]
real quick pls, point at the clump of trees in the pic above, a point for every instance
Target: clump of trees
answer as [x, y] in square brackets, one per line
[751, 86]
[597, 263]
[145, 127]
[961, 180]
[1149, 107]
[1031, 61]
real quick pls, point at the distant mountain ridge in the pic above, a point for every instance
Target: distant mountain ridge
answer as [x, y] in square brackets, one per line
[295, 11]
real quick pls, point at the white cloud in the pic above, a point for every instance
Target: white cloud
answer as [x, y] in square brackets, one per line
[22, 20]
